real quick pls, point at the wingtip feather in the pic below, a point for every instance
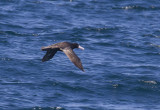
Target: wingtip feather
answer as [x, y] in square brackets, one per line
[43, 60]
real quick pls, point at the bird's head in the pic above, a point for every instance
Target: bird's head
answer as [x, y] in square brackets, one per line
[78, 46]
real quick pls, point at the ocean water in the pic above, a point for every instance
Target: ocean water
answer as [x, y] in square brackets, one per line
[121, 57]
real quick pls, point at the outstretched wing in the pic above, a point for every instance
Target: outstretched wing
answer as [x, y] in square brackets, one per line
[73, 57]
[50, 53]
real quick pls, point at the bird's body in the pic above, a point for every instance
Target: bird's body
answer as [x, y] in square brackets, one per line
[67, 48]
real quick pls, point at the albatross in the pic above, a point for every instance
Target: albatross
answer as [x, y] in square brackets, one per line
[65, 47]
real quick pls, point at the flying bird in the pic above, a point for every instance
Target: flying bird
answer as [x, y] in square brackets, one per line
[67, 48]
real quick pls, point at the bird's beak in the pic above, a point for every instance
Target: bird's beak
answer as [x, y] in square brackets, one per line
[80, 47]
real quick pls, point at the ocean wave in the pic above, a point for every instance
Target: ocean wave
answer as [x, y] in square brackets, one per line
[149, 82]
[43, 108]
[137, 7]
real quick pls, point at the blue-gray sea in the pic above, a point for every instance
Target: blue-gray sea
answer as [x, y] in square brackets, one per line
[121, 57]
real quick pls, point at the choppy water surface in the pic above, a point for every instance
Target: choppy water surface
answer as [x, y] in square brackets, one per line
[121, 57]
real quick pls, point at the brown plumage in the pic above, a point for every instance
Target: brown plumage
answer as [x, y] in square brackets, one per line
[67, 48]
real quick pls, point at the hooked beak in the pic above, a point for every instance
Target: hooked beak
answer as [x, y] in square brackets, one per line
[80, 47]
